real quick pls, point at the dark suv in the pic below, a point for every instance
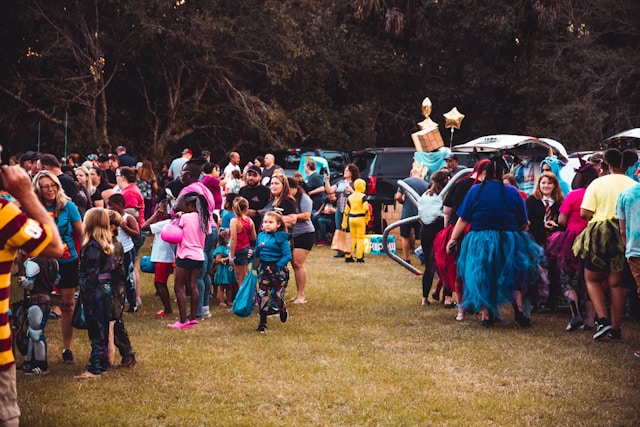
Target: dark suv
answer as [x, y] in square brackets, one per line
[381, 168]
[289, 159]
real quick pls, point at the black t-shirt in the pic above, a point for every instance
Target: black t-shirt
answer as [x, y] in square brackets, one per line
[111, 176]
[266, 174]
[258, 197]
[288, 206]
[314, 181]
[175, 186]
[69, 187]
[456, 195]
[97, 195]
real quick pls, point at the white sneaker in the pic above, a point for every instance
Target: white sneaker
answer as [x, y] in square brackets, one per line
[205, 312]
[138, 301]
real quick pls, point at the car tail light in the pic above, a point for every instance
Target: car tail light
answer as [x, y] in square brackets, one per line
[372, 186]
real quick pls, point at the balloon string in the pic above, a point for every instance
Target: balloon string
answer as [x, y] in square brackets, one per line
[451, 141]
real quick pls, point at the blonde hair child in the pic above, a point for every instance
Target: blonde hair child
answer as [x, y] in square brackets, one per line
[96, 265]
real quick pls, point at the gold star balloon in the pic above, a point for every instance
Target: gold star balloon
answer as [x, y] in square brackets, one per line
[426, 107]
[453, 119]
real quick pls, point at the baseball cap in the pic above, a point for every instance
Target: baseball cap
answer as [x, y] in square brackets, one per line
[102, 157]
[254, 169]
[205, 154]
[451, 156]
[187, 151]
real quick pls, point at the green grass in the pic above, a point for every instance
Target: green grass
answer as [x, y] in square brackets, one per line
[361, 352]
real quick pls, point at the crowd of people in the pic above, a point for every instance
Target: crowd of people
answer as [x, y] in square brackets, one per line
[496, 245]
[210, 226]
[493, 245]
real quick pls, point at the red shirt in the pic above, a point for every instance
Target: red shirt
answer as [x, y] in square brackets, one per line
[133, 199]
[243, 236]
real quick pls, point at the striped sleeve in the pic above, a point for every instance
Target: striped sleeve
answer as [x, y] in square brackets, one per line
[16, 231]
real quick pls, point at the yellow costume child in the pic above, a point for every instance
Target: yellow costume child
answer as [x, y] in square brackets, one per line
[358, 214]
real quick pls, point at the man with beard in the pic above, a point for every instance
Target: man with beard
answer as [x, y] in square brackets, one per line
[257, 194]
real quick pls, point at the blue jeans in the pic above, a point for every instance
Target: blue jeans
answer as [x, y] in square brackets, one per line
[323, 224]
[338, 219]
[204, 280]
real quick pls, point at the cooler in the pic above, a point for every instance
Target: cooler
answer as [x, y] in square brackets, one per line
[373, 244]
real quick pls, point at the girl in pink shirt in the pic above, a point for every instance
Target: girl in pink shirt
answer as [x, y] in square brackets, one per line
[193, 212]
[560, 246]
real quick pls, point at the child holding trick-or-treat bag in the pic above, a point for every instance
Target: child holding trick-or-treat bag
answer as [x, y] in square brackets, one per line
[274, 253]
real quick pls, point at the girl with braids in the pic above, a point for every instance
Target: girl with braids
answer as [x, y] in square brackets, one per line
[497, 253]
[446, 262]
[193, 211]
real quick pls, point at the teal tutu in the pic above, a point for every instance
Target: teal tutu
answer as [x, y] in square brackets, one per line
[492, 264]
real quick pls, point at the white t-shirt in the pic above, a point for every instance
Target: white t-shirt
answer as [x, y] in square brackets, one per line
[229, 168]
[161, 251]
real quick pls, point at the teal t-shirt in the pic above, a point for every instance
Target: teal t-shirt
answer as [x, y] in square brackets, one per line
[66, 217]
[627, 209]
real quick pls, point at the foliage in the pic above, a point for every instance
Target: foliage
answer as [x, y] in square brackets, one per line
[251, 76]
[586, 53]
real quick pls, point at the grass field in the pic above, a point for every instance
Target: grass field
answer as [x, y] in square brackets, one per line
[362, 352]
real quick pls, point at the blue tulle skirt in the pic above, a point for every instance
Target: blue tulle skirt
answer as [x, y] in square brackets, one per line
[492, 264]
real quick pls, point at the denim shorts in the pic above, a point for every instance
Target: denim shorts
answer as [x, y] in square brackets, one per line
[242, 256]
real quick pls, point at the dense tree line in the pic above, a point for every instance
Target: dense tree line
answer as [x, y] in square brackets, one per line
[252, 76]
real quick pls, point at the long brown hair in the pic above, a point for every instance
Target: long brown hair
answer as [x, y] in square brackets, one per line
[438, 180]
[286, 191]
[145, 172]
[556, 195]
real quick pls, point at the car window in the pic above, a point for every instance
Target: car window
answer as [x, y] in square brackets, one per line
[364, 161]
[335, 159]
[288, 159]
[398, 164]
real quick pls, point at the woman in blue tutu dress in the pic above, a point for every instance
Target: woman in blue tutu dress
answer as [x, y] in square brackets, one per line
[497, 256]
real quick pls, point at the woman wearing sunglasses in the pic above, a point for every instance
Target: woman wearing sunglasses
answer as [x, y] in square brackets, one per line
[67, 218]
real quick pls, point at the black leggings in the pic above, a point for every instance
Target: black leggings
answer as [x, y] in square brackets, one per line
[427, 236]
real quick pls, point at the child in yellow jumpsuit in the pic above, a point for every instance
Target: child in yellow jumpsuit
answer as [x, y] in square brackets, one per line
[358, 214]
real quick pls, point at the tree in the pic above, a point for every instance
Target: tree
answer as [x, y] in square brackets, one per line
[582, 70]
[62, 67]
